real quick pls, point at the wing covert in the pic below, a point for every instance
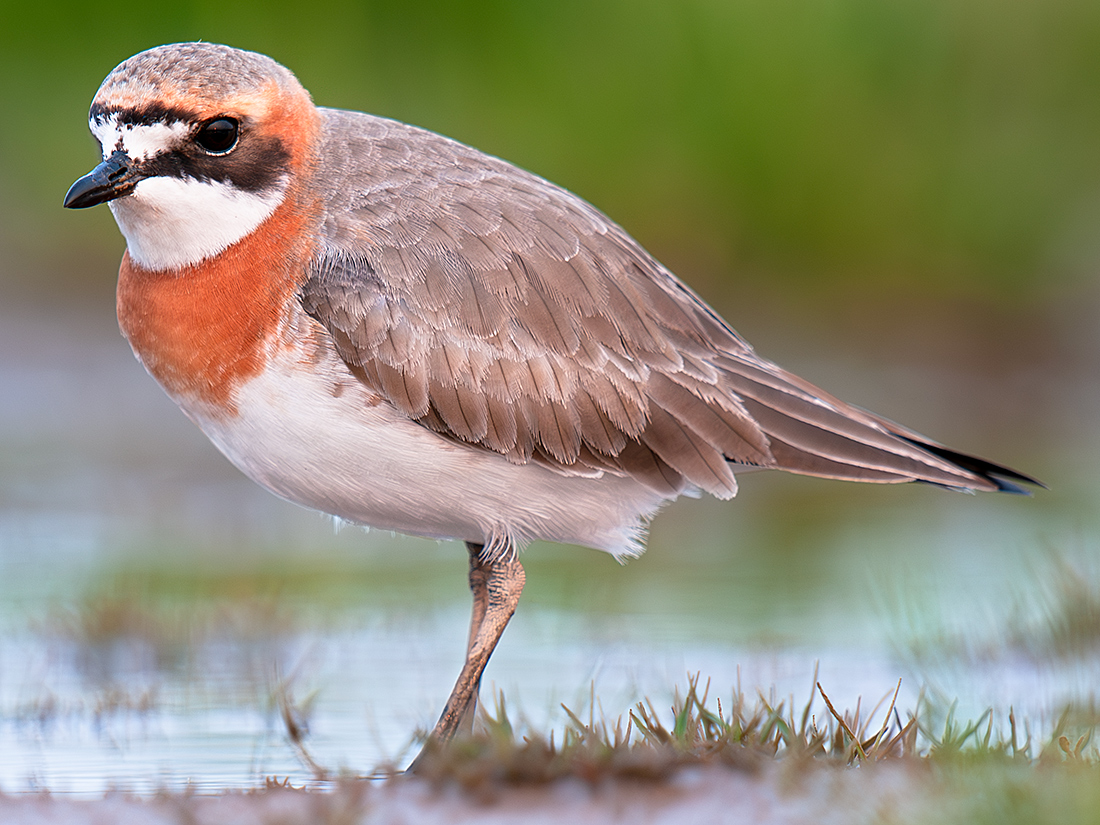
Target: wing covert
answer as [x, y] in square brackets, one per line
[500, 310]
[504, 312]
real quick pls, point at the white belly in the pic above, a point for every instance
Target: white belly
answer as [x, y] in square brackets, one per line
[344, 452]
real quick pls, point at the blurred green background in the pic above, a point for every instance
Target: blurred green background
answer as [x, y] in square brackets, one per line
[839, 151]
[898, 199]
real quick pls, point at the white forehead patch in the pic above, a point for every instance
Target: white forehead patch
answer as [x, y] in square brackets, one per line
[170, 223]
[139, 141]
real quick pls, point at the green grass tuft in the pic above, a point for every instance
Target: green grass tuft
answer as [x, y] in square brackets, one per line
[745, 734]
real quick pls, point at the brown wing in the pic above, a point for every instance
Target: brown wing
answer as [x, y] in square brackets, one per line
[502, 311]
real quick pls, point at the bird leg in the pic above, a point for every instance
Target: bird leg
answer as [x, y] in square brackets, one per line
[496, 585]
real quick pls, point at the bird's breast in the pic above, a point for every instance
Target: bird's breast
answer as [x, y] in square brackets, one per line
[204, 330]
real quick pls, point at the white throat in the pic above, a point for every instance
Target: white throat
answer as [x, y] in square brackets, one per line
[170, 222]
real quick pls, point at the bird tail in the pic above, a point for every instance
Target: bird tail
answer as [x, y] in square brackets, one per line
[812, 433]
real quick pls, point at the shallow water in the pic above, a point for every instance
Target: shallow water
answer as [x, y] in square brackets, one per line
[155, 604]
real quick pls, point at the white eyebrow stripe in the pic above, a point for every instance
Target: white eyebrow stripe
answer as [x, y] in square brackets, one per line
[139, 141]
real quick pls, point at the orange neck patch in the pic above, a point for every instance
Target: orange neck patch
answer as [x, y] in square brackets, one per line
[203, 330]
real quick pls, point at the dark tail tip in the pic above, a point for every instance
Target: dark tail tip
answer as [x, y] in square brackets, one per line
[1004, 478]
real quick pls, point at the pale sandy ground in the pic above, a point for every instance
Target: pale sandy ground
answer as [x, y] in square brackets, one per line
[777, 794]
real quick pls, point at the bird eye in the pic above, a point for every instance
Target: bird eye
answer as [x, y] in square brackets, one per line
[217, 136]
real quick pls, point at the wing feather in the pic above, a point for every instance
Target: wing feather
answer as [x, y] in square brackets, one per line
[504, 312]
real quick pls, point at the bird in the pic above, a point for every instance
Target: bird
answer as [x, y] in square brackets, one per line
[394, 328]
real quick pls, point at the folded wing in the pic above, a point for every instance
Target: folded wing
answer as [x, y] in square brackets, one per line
[503, 312]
